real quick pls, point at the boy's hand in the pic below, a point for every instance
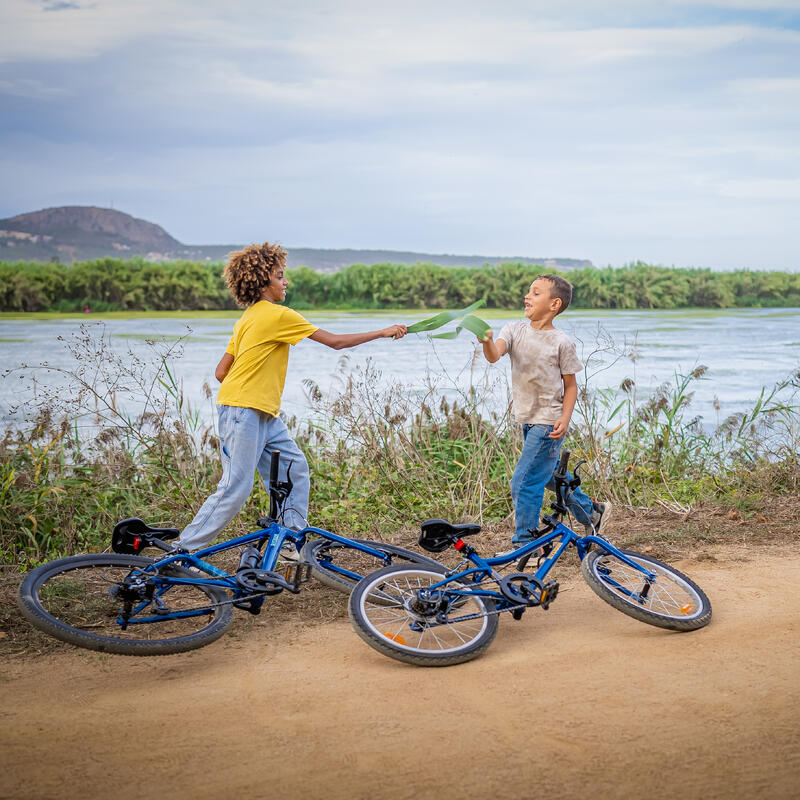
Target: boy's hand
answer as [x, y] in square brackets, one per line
[394, 332]
[559, 429]
[493, 350]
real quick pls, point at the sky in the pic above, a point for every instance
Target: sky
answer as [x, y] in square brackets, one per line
[667, 131]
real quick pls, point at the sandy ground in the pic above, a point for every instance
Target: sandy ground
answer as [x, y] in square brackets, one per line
[579, 701]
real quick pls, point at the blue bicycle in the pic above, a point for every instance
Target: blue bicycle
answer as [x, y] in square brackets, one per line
[125, 603]
[432, 616]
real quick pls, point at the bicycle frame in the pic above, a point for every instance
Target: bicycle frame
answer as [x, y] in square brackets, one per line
[485, 568]
[274, 536]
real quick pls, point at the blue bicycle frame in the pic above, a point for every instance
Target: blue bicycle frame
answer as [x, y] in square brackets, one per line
[274, 535]
[560, 538]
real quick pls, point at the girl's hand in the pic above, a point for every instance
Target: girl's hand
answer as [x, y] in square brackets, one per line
[487, 337]
[394, 332]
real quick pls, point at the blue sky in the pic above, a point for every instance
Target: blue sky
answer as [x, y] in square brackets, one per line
[662, 131]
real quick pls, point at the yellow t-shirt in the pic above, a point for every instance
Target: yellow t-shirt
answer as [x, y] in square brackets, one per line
[260, 350]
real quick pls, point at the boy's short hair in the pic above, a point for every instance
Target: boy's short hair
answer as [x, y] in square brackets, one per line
[560, 288]
[248, 271]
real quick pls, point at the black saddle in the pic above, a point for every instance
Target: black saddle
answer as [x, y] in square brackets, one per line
[437, 534]
[132, 535]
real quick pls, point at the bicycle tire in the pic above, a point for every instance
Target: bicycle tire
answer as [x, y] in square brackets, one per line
[674, 601]
[68, 597]
[322, 554]
[385, 627]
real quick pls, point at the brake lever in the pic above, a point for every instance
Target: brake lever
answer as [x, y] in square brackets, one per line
[287, 484]
[576, 477]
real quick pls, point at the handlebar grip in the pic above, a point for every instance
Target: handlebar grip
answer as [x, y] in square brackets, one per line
[564, 460]
[273, 467]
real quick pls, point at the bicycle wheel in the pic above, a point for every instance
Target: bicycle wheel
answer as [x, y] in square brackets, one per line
[432, 631]
[673, 601]
[341, 566]
[72, 599]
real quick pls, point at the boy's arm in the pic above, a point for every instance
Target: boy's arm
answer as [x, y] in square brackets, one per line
[223, 367]
[338, 341]
[570, 396]
[493, 350]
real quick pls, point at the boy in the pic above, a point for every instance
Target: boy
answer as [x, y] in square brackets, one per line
[253, 372]
[543, 367]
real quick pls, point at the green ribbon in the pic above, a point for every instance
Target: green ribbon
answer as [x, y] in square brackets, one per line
[468, 321]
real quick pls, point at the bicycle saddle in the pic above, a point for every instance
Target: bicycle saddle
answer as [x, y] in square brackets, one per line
[437, 534]
[133, 534]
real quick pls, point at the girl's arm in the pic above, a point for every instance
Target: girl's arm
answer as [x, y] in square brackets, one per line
[223, 367]
[339, 341]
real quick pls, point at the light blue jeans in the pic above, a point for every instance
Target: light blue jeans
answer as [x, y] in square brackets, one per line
[534, 473]
[247, 439]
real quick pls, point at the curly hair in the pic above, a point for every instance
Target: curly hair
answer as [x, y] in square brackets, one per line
[248, 271]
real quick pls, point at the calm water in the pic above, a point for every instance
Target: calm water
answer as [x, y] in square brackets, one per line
[743, 350]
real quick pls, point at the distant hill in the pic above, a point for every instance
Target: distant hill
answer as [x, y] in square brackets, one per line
[77, 233]
[72, 233]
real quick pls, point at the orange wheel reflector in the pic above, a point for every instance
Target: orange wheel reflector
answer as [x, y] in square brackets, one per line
[395, 638]
[687, 609]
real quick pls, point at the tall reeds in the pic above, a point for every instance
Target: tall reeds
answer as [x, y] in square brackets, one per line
[115, 437]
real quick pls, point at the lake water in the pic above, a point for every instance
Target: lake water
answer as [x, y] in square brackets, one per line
[744, 350]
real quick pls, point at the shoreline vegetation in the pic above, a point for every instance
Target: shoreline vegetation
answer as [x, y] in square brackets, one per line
[382, 459]
[136, 285]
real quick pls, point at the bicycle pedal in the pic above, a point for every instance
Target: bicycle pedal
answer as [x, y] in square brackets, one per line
[252, 606]
[159, 607]
[517, 613]
[549, 593]
[297, 572]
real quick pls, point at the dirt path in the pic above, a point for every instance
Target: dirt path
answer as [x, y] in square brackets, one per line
[579, 701]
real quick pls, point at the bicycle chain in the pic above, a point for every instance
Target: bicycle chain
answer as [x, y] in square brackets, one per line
[235, 600]
[229, 602]
[232, 601]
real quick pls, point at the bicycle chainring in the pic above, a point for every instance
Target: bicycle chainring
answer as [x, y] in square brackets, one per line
[521, 588]
[260, 580]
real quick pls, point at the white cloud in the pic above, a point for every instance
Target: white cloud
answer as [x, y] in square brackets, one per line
[517, 127]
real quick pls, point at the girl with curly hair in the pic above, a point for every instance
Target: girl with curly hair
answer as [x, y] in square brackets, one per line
[252, 373]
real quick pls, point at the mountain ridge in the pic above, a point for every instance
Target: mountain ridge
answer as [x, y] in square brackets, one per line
[76, 233]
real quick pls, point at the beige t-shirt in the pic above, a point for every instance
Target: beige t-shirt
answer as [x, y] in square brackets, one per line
[538, 360]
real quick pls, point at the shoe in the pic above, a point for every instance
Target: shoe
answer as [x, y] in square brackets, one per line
[533, 554]
[288, 552]
[600, 517]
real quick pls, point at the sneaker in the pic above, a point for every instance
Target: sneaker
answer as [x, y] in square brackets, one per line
[600, 517]
[288, 552]
[516, 546]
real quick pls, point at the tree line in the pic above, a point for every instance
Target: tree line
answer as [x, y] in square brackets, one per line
[111, 284]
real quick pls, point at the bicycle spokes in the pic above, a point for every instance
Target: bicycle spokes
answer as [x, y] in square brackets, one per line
[660, 595]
